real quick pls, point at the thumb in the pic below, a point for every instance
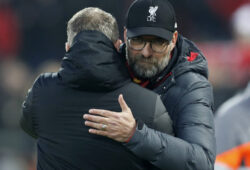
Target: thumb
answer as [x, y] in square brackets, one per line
[122, 103]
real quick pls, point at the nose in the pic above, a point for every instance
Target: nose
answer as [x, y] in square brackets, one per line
[147, 51]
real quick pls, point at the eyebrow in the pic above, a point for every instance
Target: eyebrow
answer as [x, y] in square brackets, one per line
[149, 38]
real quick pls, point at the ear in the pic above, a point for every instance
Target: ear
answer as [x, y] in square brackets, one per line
[174, 40]
[67, 46]
[175, 37]
[125, 34]
[117, 44]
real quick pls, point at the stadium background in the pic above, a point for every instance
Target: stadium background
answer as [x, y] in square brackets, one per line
[32, 37]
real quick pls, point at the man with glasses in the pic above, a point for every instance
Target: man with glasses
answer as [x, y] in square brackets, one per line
[147, 45]
[171, 65]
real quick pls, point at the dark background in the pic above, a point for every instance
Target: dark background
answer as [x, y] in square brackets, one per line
[32, 38]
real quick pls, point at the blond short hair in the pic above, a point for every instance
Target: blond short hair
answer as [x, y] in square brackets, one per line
[92, 19]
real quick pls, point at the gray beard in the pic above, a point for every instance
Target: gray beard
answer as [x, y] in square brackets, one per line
[143, 72]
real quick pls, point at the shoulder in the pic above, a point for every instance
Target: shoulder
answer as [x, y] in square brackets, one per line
[45, 79]
[233, 111]
[195, 88]
[141, 91]
[237, 104]
[190, 80]
[139, 97]
[187, 83]
[190, 70]
[147, 106]
[188, 89]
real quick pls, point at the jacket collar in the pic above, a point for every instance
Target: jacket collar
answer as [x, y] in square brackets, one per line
[92, 63]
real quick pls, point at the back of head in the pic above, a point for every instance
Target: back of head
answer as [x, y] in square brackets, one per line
[241, 24]
[92, 19]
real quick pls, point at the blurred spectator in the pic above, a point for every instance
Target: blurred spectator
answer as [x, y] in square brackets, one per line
[15, 147]
[17, 150]
[10, 160]
[14, 77]
[241, 24]
[232, 129]
[9, 31]
[229, 61]
[241, 28]
[232, 125]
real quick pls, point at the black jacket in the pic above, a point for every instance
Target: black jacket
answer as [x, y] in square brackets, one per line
[92, 75]
[187, 95]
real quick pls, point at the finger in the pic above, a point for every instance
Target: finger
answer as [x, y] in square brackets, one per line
[98, 132]
[122, 103]
[101, 112]
[94, 125]
[96, 119]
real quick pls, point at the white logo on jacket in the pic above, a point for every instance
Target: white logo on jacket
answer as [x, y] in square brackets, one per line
[152, 13]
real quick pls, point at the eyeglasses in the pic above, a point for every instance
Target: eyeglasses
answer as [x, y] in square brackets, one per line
[157, 45]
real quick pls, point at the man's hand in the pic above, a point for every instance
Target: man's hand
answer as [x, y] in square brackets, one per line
[119, 126]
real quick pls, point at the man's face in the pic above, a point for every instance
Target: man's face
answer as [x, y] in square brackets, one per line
[147, 55]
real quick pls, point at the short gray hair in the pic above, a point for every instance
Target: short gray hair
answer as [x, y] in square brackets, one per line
[92, 19]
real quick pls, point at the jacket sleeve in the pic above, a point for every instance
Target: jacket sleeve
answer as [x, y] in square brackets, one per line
[193, 146]
[27, 118]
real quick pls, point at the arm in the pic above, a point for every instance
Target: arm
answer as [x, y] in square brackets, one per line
[193, 123]
[26, 121]
[193, 147]
[232, 142]
[166, 151]
[180, 152]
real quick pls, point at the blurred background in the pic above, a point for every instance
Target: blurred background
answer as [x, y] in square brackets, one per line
[33, 34]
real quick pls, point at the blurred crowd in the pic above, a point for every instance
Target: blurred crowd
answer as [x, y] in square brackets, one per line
[32, 37]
